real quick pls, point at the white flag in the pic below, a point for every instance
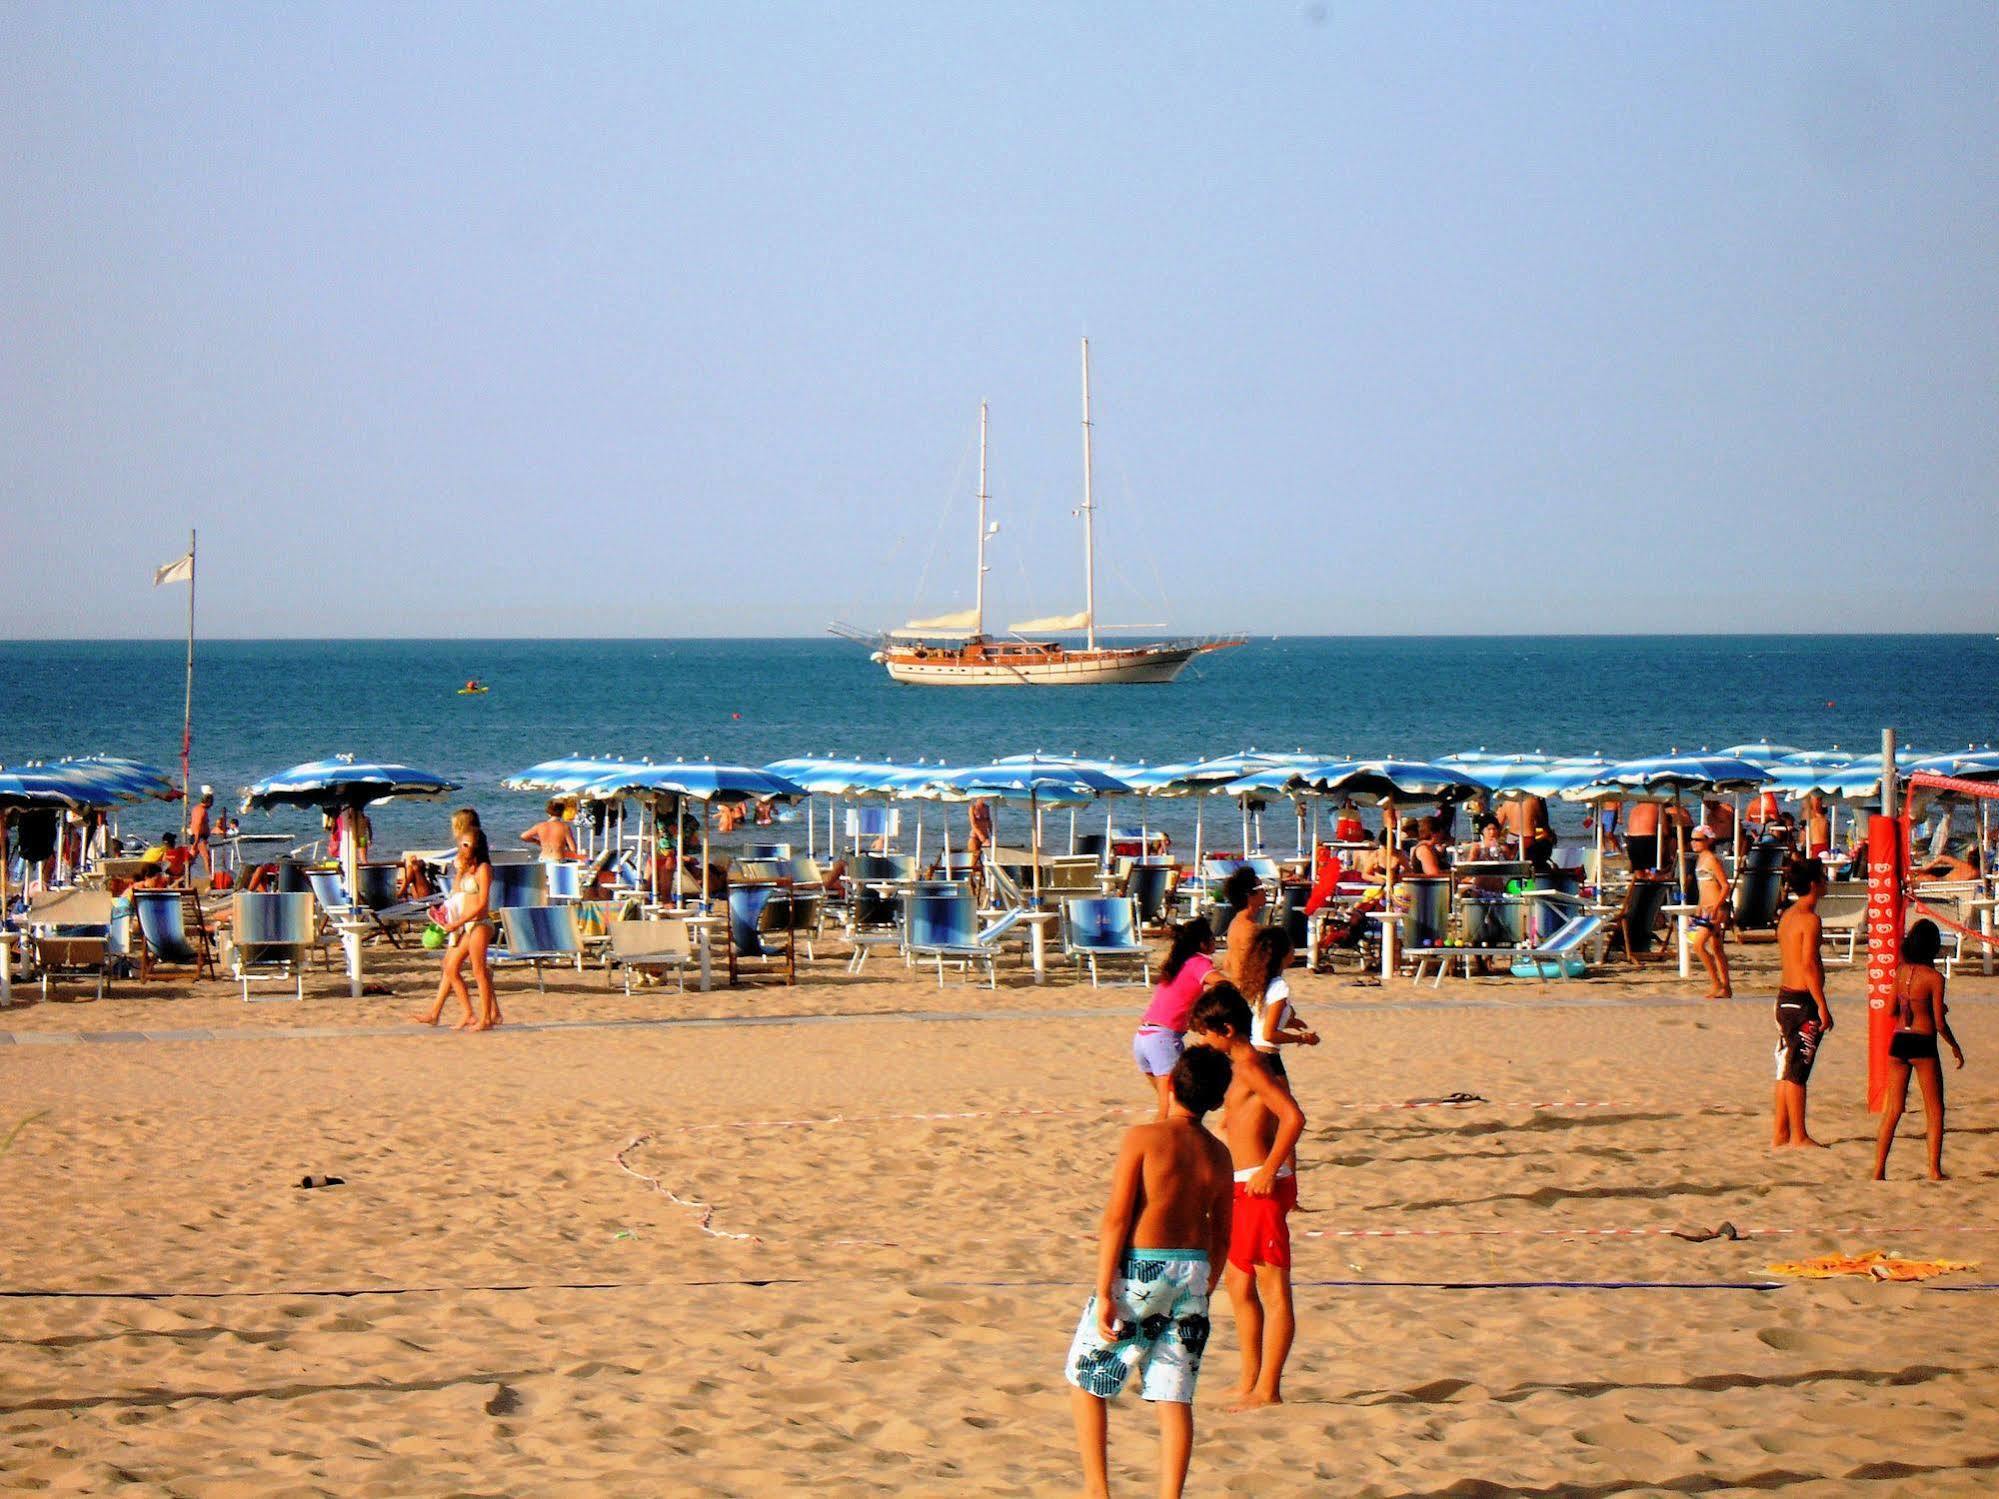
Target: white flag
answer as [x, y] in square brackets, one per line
[180, 570]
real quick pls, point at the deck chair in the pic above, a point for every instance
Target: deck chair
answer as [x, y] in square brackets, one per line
[1151, 887]
[1843, 917]
[1564, 955]
[799, 908]
[648, 948]
[1952, 900]
[539, 936]
[518, 886]
[885, 868]
[271, 936]
[1070, 874]
[167, 941]
[756, 872]
[748, 938]
[1103, 929]
[945, 927]
[1634, 925]
[70, 936]
[565, 881]
[1759, 887]
[767, 851]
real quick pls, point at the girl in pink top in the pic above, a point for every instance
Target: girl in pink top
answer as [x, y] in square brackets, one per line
[1189, 968]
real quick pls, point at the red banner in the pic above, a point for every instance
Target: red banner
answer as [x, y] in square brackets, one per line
[1887, 841]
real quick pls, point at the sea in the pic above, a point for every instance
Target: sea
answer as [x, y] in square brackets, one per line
[261, 706]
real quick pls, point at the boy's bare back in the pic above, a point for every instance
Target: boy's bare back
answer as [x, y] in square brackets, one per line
[1799, 932]
[1184, 1181]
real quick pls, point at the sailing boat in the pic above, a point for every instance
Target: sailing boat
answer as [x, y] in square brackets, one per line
[954, 650]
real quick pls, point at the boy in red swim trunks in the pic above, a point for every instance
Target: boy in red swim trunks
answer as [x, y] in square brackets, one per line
[1262, 1123]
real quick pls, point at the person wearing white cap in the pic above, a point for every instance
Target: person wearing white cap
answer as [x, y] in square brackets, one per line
[1711, 921]
[200, 819]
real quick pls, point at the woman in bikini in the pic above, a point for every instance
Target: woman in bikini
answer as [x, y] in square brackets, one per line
[466, 916]
[1711, 921]
[1919, 1020]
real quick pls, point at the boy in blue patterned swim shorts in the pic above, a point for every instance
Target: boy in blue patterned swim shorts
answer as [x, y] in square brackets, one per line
[1165, 1236]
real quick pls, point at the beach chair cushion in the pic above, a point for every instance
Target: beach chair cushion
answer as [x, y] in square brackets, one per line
[1102, 925]
[163, 924]
[539, 933]
[519, 886]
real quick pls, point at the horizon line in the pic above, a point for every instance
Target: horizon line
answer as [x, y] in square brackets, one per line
[1252, 637]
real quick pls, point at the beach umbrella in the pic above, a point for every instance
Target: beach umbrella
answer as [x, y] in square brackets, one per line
[32, 788]
[1668, 778]
[344, 785]
[570, 776]
[700, 781]
[1762, 752]
[1036, 781]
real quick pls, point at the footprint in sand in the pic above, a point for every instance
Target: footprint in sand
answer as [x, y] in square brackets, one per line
[1796, 1340]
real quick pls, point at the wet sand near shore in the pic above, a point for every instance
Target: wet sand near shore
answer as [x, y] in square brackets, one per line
[491, 1303]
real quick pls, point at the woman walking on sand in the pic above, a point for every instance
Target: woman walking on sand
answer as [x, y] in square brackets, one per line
[466, 917]
[1919, 1021]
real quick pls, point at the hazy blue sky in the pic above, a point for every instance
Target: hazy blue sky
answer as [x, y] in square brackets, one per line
[675, 319]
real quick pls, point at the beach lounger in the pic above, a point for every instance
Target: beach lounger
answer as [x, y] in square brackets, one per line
[748, 939]
[565, 881]
[767, 851]
[1843, 917]
[1634, 925]
[517, 886]
[168, 942]
[650, 948]
[757, 872]
[539, 935]
[1563, 955]
[70, 936]
[1101, 930]
[1151, 888]
[270, 936]
[945, 927]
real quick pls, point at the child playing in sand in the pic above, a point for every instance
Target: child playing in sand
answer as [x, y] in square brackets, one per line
[1164, 1232]
[1262, 1122]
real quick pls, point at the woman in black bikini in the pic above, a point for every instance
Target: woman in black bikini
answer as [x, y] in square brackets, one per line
[1919, 1020]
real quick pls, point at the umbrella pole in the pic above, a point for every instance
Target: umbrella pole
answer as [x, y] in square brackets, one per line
[6, 949]
[1110, 831]
[1034, 816]
[1298, 808]
[811, 830]
[1200, 806]
[1599, 850]
[919, 840]
[1388, 927]
[1243, 801]
[704, 856]
[350, 853]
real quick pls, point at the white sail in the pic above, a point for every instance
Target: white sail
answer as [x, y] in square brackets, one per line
[1054, 623]
[964, 619]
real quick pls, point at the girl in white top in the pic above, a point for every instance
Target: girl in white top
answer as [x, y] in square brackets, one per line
[1273, 1022]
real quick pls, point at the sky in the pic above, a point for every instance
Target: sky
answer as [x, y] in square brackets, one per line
[668, 320]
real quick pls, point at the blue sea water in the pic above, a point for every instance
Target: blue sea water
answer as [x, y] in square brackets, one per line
[263, 705]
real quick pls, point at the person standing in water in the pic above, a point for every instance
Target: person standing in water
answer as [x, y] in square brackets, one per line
[1919, 1020]
[1710, 922]
[1803, 1017]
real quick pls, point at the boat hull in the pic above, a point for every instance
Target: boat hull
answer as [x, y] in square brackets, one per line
[1060, 669]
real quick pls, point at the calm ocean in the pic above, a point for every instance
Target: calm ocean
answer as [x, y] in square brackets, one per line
[263, 705]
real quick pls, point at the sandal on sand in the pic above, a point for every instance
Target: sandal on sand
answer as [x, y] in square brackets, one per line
[1726, 1231]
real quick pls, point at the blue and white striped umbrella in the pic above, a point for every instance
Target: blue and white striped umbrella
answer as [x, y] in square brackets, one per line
[1964, 765]
[41, 786]
[1660, 776]
[1763, 752]
[826, 777]
[1038, 780]
[1819, 757]
[1543, 778]
[342, 781]
[122, 780]
[1473, 759]
[564, 777]
[1382, 780]
[697, 780]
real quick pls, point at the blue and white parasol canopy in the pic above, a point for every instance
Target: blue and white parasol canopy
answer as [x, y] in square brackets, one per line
[1382, 780]
[1661, 776]
[1035, 780]
[564, 777]
[1762, 752]
[697, 780]
[342, 781]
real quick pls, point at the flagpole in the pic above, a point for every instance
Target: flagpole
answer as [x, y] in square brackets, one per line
[187, 705]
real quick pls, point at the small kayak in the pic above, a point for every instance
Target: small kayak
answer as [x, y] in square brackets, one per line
[471, 689]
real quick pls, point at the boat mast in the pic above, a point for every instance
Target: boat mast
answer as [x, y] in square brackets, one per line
[1089, 517]
[979, 597]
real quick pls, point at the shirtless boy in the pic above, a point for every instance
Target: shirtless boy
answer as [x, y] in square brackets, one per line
[552, 835]
[1803, 1017]
[1262, 1122]
[1164, 1233]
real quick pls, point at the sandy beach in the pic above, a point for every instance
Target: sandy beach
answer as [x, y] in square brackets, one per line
[899, 1188]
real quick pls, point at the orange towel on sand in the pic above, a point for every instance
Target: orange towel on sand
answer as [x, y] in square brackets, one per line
[1876, 1264]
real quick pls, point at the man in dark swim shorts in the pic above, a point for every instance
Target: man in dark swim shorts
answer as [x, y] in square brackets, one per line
[1803, 1017]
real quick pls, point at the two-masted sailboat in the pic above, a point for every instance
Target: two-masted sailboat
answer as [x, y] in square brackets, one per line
[954, 650]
